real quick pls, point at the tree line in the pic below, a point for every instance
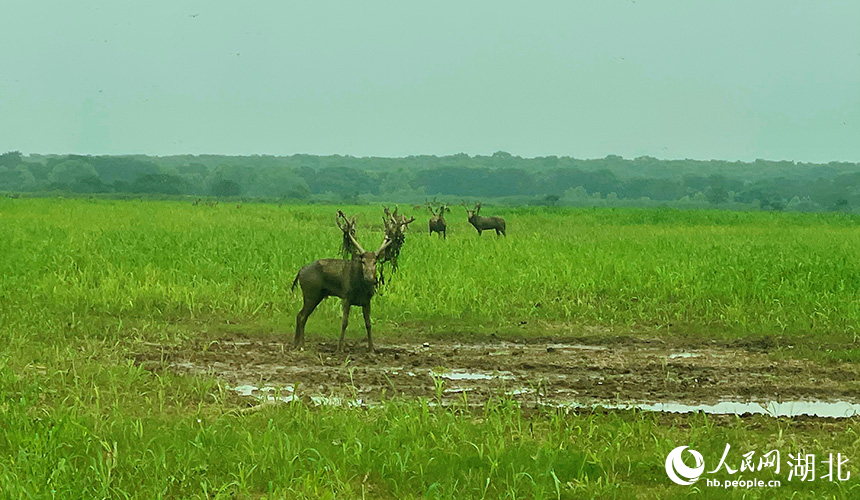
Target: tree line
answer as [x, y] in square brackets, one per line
[769, 185]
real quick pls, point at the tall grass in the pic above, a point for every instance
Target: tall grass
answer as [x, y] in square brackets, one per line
[109, 262]
[84, 283]
[405, 449]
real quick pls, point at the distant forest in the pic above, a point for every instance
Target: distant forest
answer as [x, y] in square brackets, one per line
[501, 178]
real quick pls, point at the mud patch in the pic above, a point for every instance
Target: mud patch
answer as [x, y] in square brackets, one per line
[636, 373]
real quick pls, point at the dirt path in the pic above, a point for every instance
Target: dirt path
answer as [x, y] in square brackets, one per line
[624, 370]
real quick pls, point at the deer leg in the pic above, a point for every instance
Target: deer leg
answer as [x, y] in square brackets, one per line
[365, 309]
[308, 306]
[343, 324]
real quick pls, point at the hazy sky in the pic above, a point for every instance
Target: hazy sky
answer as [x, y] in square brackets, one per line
[672, 79]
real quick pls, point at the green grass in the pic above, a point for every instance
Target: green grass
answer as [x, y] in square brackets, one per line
[84, 283]
[72, 265]
[99, 431]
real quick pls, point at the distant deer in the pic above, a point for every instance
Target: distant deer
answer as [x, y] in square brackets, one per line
[484, 223]
[437, 223]
[395, 230]
[352, 280]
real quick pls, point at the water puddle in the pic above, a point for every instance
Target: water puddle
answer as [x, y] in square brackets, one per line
[244, 390]
[335, 401]
[578, 347]
[470, 375]
[268, 393]
[684, 355]
[826, 409]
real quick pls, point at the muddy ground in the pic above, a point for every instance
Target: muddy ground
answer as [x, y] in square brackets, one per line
[549, 371]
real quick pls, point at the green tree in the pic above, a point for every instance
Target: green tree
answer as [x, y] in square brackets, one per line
[10, 159]
[225, 187]
[552, 199]
[279, 182]
[69, 172]
[717, 194]
[16, 179]
[159, 183]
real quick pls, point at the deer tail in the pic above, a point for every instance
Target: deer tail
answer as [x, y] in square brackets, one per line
[295, 282]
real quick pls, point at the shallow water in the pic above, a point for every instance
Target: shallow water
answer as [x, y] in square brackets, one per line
[471, 375]
[268, 393]
[827, 409]
[335, 401]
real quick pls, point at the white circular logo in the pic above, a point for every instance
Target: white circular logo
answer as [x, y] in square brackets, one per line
[678, 471]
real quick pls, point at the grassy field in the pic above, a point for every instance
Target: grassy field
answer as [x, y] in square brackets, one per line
[83, 284]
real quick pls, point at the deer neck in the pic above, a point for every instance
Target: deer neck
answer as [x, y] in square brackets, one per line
[357, 283]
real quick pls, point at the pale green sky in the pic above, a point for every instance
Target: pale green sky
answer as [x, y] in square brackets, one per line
[672, 79]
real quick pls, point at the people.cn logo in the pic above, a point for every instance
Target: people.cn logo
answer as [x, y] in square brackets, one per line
[678, 471]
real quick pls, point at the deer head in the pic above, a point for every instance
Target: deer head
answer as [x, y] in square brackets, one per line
[471, 214]
[368, 260]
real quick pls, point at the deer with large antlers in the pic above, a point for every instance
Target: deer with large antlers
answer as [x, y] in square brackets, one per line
[437, 222]
[353, 280]
[395, 230]
[484, 223]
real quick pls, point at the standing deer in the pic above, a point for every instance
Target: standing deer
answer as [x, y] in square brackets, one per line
[484, 223]
[437, 222]
[353, 280]
[395, 230]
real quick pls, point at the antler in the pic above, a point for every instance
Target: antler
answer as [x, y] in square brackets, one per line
[347, 223]
[340, 215]
[385, 243]
[352, 238]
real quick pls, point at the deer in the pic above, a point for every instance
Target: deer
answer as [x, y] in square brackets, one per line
[437, 222]
[484, 223]
[353, 280]
[395, 226]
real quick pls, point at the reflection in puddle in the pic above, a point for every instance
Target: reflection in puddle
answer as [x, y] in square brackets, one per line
[826, 409]
[836, 409]
[244, 390]
[471, 375]
[285, 395]
[579, 347]
[268, 393]
[684, 355]
[335, 401]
